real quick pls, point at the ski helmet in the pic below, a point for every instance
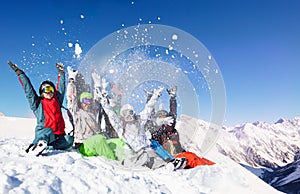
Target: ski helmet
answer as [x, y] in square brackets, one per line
[161, 113]
[47, 82]
[85, 95]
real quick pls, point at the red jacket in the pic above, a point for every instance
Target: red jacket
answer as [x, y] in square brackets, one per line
[53, 115]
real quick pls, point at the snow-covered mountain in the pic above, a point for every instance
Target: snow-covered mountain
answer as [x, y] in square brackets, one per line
[262, 144]
[270, 151]
[69, 172]
[258, 144]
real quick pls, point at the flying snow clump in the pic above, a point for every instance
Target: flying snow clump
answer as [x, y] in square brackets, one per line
[78, 51]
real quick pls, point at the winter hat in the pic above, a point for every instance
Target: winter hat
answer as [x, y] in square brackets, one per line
[126, 109]
[47, 82]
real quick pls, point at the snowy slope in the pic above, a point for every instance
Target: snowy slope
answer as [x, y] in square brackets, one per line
[17, 127]
[69, 172]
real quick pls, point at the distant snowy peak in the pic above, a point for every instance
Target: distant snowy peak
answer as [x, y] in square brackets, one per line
[295, 121]
[261, 143]
[270, 146]
[261, 124]
[281, 120]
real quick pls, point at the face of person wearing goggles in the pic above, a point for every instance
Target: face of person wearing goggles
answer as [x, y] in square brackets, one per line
[86, 103]
[128, 115]
[71, 80]
[162, 116]
[48, 91]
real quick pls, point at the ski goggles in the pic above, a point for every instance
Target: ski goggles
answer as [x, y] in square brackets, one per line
[47, 89]
[162, 116]
[127, 113]
[87, 100]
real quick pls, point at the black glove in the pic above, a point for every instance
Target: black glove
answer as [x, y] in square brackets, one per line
[60, 67]
[15, 68]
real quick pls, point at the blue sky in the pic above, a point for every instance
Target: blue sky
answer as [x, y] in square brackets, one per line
[255, 43]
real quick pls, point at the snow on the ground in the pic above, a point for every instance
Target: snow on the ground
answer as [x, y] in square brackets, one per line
[69, 172]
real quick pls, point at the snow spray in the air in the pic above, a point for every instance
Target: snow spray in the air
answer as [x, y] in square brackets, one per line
[147, 56]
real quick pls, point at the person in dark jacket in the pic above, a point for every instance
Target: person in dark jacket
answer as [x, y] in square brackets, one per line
[50, 130]
[163, 129]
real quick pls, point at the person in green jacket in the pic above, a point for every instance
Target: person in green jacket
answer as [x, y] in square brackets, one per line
[50, 130]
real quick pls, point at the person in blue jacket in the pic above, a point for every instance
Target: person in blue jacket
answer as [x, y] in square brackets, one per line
[50, 129]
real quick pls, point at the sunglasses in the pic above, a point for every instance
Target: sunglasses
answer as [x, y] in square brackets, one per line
[86, 100]
[48, 89]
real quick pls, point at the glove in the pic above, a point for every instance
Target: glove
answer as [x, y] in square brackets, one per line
[164, 121]
[72, 73]
[96, 80]
[172, 91]
[103, 101]
[98, 95]
[157, 92]
[60, 67]
[104, 83]
[15, 68]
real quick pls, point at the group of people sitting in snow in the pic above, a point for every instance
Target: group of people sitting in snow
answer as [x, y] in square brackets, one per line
[102, 127]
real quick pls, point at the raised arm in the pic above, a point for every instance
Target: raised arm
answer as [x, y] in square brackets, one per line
[61, 82]
[30, 93]
[173, 102]
[71, 91]
[146, 112]
[100, 95]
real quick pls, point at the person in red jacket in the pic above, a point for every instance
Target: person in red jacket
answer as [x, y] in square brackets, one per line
[50, 129]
